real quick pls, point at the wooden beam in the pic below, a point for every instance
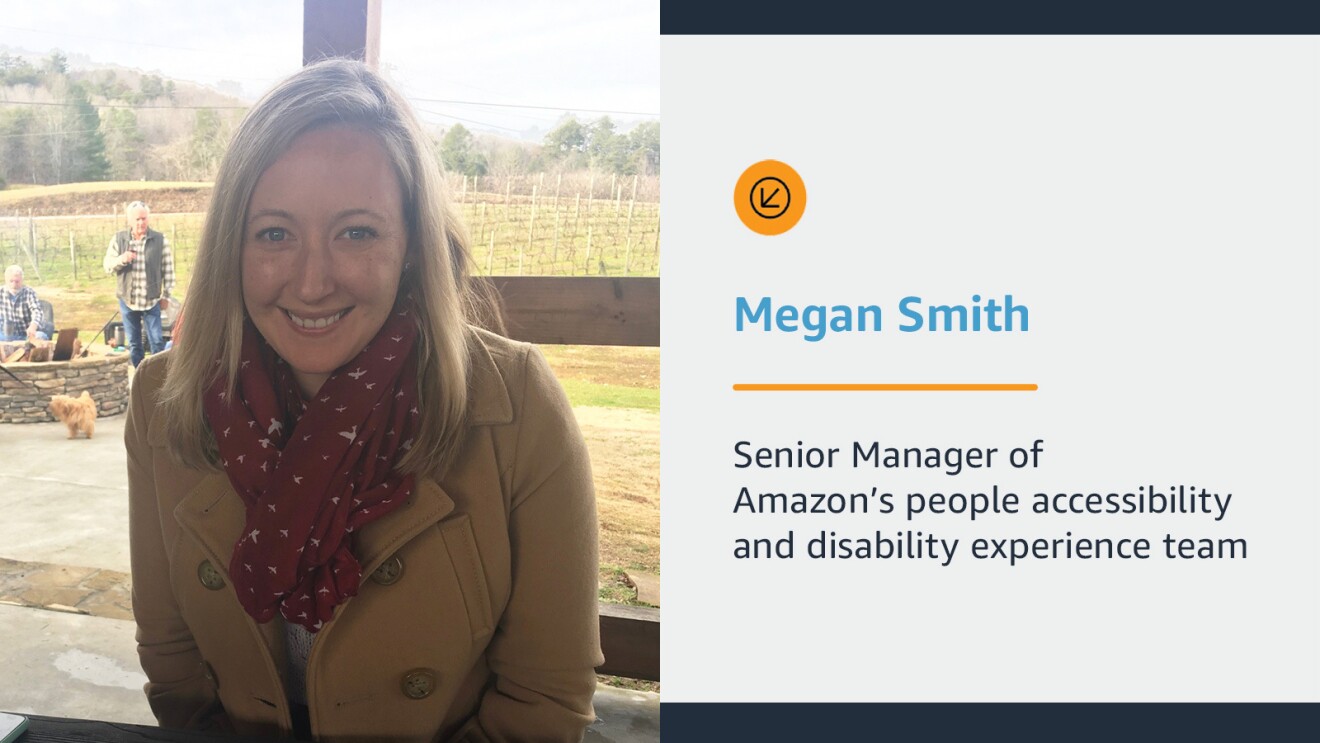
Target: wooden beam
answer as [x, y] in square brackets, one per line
[341, 28]
[630, 640]
[581, 310]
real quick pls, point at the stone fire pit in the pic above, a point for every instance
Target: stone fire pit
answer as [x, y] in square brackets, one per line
[105, 377]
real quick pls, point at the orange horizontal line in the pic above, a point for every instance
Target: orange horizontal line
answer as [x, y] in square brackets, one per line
[884, 388]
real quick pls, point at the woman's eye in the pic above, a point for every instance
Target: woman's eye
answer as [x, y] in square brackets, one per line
[272, 234]
[359, 233]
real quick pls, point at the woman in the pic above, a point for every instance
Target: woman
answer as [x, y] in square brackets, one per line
[354, 516]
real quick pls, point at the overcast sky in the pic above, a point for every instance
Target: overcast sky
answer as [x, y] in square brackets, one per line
[573, 55]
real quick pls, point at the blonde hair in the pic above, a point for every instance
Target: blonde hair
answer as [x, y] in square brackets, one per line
[333, 92]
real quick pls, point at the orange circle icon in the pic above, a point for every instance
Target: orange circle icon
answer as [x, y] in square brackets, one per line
[770, 197]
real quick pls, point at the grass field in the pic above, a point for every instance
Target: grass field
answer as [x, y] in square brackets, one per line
[615, 391]
[21, 193]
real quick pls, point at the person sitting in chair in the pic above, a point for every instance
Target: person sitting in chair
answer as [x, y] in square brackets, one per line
[20, 310]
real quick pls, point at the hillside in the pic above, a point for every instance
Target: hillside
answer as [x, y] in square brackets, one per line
[103, 197]
[61, 125]
[106, 123]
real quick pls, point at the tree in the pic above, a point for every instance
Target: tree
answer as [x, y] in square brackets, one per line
[90, 163]
[568, 137]
[457, 154]
[75, 147]
[644, 143]
[151, 87]
[125, 145]
[608, 150]
[18, 130]
[507, 158]
[57, 63]
[566, 144]
[207, 144]
[18, 71]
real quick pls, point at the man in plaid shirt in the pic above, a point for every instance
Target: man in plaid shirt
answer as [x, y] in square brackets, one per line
[141, 260]
[19, 309]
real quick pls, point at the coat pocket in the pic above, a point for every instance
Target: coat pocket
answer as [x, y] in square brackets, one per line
[461, 545]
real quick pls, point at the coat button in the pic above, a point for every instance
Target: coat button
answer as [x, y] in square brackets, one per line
[209, 576]
[388, 572]
[419, 684]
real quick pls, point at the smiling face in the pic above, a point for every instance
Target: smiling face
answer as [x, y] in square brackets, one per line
[323, 250]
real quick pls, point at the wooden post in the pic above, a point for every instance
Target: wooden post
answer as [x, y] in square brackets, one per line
[341, 28]
[462, 199]
[507, 219]
[32, 245]
[631, 203]
[627, 257]
[591, 192]
[490, 254]
[577, 211]
[73, 260]
[586, 264]
[531, 231]
[554, 251]
[482, 229]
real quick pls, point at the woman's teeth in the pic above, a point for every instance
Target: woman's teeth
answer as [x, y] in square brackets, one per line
[316, 324]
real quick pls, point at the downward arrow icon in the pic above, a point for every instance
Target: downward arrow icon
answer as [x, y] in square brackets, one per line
[769, 197]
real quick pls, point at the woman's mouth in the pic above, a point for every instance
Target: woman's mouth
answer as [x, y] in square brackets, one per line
[316, 323]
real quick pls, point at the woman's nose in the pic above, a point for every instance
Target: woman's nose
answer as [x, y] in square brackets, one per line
[315, 280]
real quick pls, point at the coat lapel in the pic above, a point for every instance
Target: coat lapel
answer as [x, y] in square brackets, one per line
[213, 515]
[376, 541]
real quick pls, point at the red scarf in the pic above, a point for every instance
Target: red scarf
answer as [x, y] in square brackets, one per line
[312, 472]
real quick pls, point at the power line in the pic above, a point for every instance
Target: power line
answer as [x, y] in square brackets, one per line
[542, 108]
[470, 121]
[125, 105]
[76, 131]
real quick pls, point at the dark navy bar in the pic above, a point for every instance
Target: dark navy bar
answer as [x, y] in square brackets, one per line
[1074, 723]
[988, 17]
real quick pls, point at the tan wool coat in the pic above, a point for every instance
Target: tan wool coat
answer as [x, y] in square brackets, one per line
[477, 616]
